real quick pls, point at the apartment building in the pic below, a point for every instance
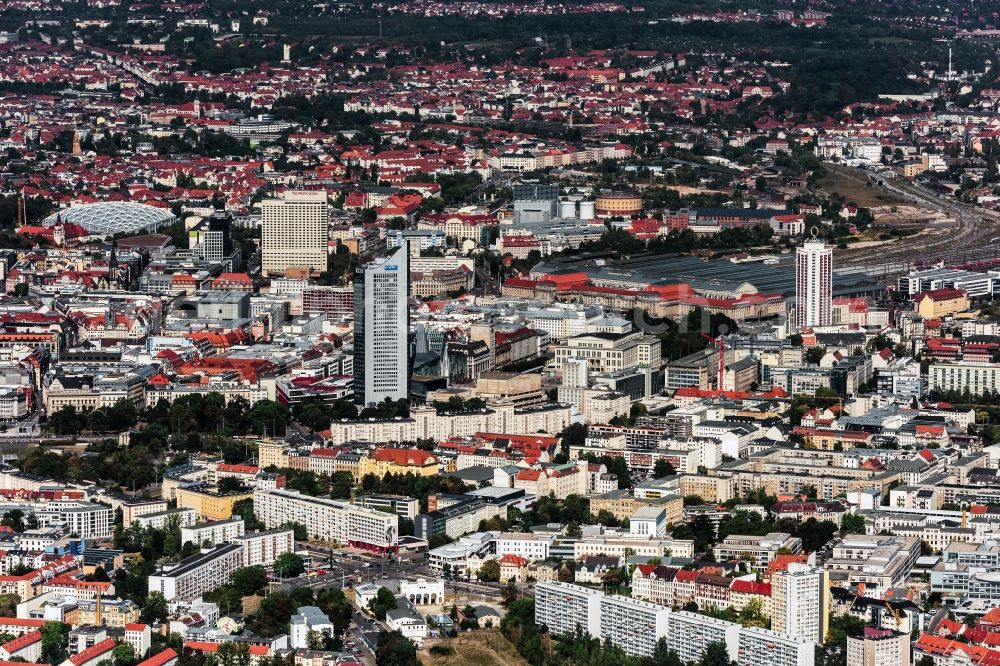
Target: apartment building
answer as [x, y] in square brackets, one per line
[132, 507]
[208, 503]
[879, 647]
[456, 519]
[329, 520]
[622, 545]
[185, 518]
[610, 351]
[976, 378]
[294, 233]
[562, 607]
[637, 625]
[198, 574]
[690, 634]
[766, 647]
[263, 548]
[111, 613]
[800, 602]
[87, 521]
[219, 531]
[402, 506]
[399, 461]
[26, 646]
[633, 624]
[426, 422]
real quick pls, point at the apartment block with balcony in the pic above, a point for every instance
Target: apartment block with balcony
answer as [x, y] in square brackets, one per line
[562, 607]
[633, 624]
[198, 574]
[329, 520]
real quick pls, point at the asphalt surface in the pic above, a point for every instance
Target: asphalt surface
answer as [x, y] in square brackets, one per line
[345, 569]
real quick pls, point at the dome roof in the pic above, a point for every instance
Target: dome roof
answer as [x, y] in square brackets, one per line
[113, 217]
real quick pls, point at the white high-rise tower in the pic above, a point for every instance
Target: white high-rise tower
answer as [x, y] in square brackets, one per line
[814, 284]
[381, 329]
[800, 602]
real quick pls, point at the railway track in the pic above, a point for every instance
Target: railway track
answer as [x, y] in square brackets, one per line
[968, 239]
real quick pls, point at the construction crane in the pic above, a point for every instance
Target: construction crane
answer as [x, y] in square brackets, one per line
[895, 614]
[720, 344]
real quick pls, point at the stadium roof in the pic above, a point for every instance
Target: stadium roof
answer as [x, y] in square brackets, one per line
[113, 217]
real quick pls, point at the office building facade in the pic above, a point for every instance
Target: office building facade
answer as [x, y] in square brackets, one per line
[814, 285]
[381, 329]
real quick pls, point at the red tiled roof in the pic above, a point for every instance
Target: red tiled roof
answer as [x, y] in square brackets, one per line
[750, 587]
[160, 658]
[22, 641]
[202, 646]
[405, 457]
[92, 652]
[19, 622]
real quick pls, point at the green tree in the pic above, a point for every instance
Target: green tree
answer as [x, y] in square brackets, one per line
[394, 649]
[154, 608]
[13, 519]
[382, 602]
[716, 654]
[289, 565]
[268, 417]
[8, 605]
[341, 485]
[813, 355]
[248, 580]
[226, 598]
[66, 421]
[662, 468]
[172, 535]
[244, 509]
[229, 485]
[272, 617]
[54, 639]
[852, 523]
[752, 615]
[233, 654]
[664, 656]
[123, 654]
[490, 571]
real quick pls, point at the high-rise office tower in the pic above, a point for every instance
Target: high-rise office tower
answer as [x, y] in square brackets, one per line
[800, 602]
[381, 328]
[813, 284]
[294, 232]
